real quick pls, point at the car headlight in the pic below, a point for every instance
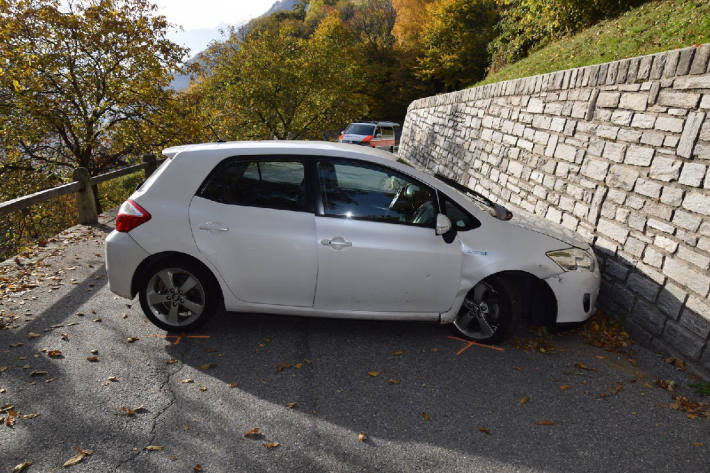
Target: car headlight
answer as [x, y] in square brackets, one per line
[572, 259]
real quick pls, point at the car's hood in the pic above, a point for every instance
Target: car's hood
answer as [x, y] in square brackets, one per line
[353, 137]
[545, 227]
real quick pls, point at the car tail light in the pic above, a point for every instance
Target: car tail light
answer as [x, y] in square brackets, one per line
[366, 139]
[341, 136]
[130, 215]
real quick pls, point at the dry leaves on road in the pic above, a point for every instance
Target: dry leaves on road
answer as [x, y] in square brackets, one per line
[131, 412]
[425, 416]
[132, 339]
[154, 448]
[78, 457]
[54, 353]
[398, 353]
[233, 384]
[374, 374]
[93, 358]
[545, 422]
[291, 405]
[582, 366]
[271, 445]
[21, 466]
[207, 366]
[188, 380]
[524, 400]
[484, 430]
[393, 381]
[254, 433]
[565, 387]
[362, 436]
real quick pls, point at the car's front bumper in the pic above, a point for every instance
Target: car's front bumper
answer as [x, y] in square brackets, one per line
[123, 255]
[576, 293]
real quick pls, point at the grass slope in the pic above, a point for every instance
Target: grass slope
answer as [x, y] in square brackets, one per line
[655, 26]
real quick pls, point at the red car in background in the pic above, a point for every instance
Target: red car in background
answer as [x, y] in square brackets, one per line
[383, 135]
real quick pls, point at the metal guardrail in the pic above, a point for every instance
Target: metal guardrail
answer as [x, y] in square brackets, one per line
[82, 187]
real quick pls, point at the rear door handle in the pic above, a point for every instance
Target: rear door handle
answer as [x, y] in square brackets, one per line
[337, 243]
[214, 226]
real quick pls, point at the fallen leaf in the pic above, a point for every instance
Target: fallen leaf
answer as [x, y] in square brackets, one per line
[97, 320]
[233, 385]
[524, 399]
[362, 436]
[170, 362]
[112, 379]
[21, 466]
[33, 335]
[38, 373]
[291, 405]
[582, 366]
[207, 366]
[3, 368]
[203, 388]
[54, 353]
[78, 457]
[173, 458]
[186, 427]
[435, 350]
[131, 339]
[197, 467]
[188, 380]
[697, 444]
[425, 416]
[272, 445]
[2, 390]
[94, 351]
[393, 381]
[518, 368]
[154, 448]
[565, 387]
[545, 422]
[283, 366]
[125, 316]
[93, 358]
[298, 366]
[10, 419]
[484, 430]
[64, 337]
[398, 353]
[254, 433]
[374, 374]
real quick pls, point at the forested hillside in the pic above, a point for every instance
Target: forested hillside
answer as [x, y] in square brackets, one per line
[86, 83]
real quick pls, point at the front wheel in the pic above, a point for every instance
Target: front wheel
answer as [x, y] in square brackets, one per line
[178, 295]
[490, 312]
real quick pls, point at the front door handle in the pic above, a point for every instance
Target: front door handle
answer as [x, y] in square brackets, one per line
[337, 243]
[214, 226]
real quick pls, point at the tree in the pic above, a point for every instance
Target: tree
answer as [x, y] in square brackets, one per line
[80, 73]
[455, 37]
[276, 83]
[411, 15]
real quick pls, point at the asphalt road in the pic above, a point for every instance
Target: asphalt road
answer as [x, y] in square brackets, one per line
[430, 408]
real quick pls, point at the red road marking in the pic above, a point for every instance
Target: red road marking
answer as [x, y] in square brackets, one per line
[470, 343]
[179, 337]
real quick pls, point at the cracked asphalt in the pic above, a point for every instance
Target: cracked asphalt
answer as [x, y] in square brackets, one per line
[422, 412]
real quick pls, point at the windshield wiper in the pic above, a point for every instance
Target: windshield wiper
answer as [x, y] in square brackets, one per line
[499, 211]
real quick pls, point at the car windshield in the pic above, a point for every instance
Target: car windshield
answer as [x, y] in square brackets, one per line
[360, 129]
[496, 210]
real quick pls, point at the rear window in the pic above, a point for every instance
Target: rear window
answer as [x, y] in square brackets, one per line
[360, 129]
[268, 183]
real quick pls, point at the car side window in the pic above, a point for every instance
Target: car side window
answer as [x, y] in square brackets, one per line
[461, 219]
[387, 132]
[269, 183]
[369, 192]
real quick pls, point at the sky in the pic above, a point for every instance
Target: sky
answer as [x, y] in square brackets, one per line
[202, 19]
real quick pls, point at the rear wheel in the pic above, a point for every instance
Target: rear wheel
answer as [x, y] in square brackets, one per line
[490, 312]
[178, 295]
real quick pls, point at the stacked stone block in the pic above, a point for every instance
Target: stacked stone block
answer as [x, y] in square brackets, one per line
[619, 153]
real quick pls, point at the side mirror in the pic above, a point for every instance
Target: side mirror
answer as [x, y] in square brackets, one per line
[443, 224]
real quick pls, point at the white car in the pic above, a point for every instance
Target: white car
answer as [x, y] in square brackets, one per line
[335, 230]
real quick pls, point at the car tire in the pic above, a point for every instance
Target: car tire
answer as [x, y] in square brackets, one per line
[178, 295]
[490, 312]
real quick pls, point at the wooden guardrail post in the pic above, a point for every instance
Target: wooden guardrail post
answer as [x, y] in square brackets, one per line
[150, 164]
[85, 202]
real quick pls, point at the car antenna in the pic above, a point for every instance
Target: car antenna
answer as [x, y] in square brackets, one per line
[219, 140]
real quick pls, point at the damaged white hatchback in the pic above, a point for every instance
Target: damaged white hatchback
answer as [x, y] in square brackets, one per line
[336, 230]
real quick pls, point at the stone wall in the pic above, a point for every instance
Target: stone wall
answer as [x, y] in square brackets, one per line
[618, 152]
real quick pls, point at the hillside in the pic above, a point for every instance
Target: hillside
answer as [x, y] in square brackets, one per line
[654, 26]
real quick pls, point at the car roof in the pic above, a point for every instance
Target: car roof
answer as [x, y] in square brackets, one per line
[319, 148]
[376, 123]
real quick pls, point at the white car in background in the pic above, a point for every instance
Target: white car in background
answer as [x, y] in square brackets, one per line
[336, 230]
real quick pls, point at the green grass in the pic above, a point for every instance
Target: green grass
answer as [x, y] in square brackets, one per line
[655, 26]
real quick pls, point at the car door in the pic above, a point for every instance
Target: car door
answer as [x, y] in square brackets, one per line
[253, 219]
[377, 247]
